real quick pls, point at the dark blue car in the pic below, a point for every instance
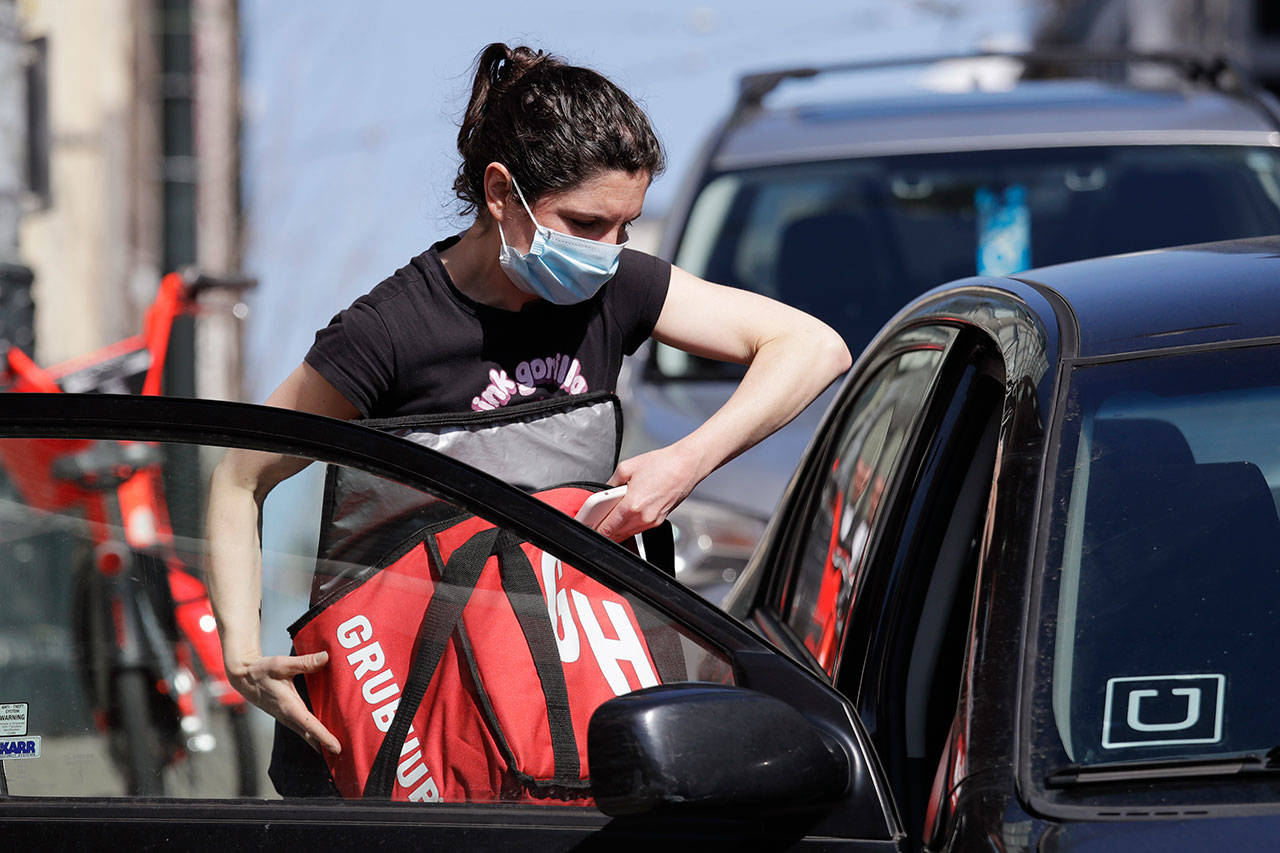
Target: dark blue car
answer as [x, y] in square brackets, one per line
[1035, 544]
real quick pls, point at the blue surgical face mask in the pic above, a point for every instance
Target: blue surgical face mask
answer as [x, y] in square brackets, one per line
[558, 267]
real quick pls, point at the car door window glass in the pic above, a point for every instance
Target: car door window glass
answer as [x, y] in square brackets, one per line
[1166, 543]
[111, 677]
[833, 549]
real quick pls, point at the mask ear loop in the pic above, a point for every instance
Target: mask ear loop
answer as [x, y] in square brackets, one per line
[503, 237]
[525, 203]
[582, 240]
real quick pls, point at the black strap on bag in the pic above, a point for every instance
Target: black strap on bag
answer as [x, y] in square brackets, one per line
[458, 579]
[660, 548]
[662, 639]
[522, 589]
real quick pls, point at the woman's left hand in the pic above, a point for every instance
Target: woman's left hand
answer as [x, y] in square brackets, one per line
[656, 483]
[791, 357]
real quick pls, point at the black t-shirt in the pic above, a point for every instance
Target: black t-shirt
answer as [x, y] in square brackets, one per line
[415, 344]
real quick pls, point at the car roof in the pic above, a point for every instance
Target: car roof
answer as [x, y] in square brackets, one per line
[1031, 114]
[1207, 294]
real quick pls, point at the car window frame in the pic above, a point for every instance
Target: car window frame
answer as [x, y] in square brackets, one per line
[978, 405]
[800, 500]
[969, 350]
[756, 665]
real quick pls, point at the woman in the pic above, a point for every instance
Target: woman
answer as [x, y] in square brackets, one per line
[555, 164]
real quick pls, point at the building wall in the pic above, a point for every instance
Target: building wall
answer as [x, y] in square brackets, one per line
[13, 132]
[143, 152]
[94, 243]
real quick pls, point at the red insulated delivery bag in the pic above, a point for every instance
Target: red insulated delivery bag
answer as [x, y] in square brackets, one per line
[465, 664]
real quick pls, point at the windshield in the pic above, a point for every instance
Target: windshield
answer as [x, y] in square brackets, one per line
[853, 241]
[1164, 567]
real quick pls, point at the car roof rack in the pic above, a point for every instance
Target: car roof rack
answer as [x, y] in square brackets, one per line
[1217, 71]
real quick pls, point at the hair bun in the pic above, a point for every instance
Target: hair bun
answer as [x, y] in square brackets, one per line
[519, 62]
[502, 66]
[498, 68]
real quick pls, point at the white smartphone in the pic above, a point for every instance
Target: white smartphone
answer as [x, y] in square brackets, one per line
[599, 505]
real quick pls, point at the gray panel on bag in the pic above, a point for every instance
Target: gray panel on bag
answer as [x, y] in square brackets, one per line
[536, 451]
[560, 447]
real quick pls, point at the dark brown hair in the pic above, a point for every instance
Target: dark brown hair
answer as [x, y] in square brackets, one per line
[551, 124]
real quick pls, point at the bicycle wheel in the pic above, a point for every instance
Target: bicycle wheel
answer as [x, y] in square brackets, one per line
[216, 757]
[144, 751]
[229, 769]
[125, 698]
[223, 760]
[246, 751]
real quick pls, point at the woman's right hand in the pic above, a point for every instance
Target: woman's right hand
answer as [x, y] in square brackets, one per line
[239, 485]
[268, 683]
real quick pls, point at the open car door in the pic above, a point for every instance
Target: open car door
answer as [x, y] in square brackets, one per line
[681, 724]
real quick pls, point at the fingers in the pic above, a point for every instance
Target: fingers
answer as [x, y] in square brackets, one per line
[623, 473]
[625, 521]
[285, 666]
[656, 482]
[313, 732]
[300, 718]
[269, 685]
[612, 524]
[294, 713]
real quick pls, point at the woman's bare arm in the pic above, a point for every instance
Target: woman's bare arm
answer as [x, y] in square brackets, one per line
[240, 484]
[792, 357]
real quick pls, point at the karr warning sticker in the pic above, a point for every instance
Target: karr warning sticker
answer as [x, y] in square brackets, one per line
[19, 747]
[1163, 710]
[13, 719]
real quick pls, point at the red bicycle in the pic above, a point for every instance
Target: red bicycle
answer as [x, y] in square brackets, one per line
[149, 654]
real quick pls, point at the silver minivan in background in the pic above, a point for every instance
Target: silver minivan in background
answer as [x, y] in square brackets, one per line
[848, 207]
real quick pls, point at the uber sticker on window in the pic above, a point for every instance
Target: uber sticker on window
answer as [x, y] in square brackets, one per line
[1162, 710]
[13, 718]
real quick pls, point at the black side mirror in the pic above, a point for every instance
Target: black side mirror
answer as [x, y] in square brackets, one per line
[707, 748]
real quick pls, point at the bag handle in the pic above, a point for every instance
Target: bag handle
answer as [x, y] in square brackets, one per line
[458, 579]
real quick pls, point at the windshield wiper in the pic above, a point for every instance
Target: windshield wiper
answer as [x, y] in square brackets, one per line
[1261, 763]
